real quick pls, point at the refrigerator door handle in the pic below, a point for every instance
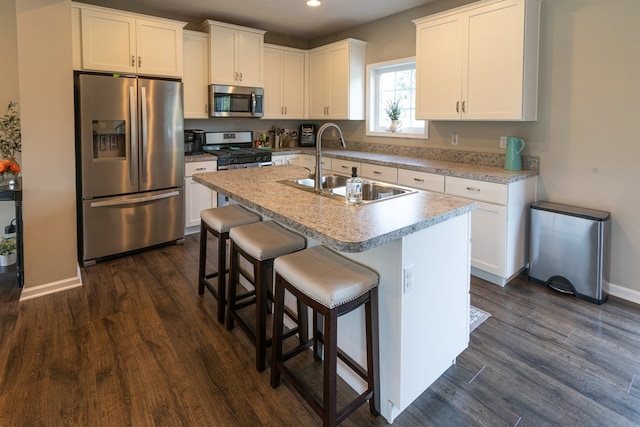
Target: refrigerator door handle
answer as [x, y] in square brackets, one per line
[133, 155]
[121, 202]
[144, 125]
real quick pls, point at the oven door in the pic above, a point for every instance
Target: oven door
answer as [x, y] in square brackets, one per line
[235, 101]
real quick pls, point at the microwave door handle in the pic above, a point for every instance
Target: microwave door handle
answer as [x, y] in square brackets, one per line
[254, 102]
[133, 154]
[145, 133]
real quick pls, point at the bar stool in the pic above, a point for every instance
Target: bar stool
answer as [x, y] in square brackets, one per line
[331, 285]
[218, 221]
[260, 244]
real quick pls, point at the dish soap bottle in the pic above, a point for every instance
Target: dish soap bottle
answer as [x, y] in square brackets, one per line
[354, 188]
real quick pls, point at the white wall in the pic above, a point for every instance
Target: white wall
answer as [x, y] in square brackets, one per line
[48, 153]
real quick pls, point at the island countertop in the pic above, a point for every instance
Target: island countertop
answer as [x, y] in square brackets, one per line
[343, 227]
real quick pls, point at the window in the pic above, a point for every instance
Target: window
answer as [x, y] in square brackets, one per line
[392, 81]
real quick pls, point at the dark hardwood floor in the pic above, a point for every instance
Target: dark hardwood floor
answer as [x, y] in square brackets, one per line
[137, 346]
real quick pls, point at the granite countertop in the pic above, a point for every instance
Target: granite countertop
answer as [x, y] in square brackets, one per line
[343, 227]
[470, 168]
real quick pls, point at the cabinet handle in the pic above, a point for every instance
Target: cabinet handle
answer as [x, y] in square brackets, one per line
[463, 106]
[206, 109]
[476, 189]
[201, 169]
[377, 173]
[458, 107]
[344, 167]
[133, 61]
[285, 111]
[418, 179]
[139, 61]
[236, 75]
[240, 76]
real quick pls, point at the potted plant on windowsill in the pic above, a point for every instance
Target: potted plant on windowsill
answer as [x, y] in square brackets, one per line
[10, 143]
[394, 111]
[7, 251]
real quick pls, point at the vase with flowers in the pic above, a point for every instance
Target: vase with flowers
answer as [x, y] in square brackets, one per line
[10, 143]
[394, 111]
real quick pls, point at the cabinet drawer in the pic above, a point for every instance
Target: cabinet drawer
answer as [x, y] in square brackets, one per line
[422, 180]
[344, 166]
[199, 167]
[483, 191]
[382, 173]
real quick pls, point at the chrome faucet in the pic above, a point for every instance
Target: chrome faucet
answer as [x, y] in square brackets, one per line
[318, 178]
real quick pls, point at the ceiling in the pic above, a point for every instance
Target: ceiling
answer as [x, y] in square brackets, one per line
[289, 17]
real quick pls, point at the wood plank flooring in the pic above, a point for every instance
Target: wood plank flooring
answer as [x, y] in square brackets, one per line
[137, 346]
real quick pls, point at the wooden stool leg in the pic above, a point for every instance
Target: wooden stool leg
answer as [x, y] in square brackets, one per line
[373, 359]
[329, 401]
[233, 284]
[264, 271]
[222, 275]
[317, 344]
[203, 257]
[278, 320]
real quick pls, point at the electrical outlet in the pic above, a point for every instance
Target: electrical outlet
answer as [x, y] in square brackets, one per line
[454, 139]
[408, 282]
[503, 142]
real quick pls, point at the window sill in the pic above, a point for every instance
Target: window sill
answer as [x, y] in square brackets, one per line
[406, 135]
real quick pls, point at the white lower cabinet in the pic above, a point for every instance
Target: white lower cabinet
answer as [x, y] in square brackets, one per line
[197, 197]
[499, 225]
[379, 173]
[421, 180]
[344, 167]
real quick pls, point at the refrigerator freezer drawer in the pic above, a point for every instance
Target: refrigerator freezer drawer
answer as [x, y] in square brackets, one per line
[120, 224]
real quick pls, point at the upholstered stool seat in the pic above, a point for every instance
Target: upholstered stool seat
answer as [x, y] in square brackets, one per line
[331, 285]
[218, 222]
[260, 244]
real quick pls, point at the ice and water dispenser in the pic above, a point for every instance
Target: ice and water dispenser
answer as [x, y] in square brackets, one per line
[569, 249]
[109, 139]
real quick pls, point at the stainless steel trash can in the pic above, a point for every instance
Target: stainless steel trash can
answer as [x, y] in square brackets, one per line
[569, 249]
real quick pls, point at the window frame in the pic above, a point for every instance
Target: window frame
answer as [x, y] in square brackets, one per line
[372, 71]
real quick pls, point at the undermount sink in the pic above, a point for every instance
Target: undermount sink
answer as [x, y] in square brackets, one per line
[335, 186]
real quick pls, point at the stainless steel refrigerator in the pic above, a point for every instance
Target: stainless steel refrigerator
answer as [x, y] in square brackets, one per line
[130, 162]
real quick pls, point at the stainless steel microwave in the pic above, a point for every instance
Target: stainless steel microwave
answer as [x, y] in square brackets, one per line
[235, 101]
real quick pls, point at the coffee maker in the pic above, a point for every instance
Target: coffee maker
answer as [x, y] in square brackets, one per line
[193, 141]
[307, 135]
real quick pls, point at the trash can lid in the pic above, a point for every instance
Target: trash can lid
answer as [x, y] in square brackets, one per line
[577, 211]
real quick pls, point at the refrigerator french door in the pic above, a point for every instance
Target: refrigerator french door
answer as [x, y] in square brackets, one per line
[130, 158]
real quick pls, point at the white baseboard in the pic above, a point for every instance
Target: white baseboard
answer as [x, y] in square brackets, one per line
[624, 293]
[51, 288]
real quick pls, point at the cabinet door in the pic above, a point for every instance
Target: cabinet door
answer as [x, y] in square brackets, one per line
[108, 41]
[338, 83]
[493, 75]
[318, 80]
[223, 59]
[197, 198]
[159, 48]
[196, 75]
[439, 69]
[293, 84]
[249, 57]
[488, 238]
[273, 81]
[422, 180]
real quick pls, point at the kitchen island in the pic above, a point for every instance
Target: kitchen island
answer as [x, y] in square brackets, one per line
[418, 243]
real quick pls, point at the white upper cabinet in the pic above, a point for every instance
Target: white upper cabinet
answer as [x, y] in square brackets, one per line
[337, 80]
[284, 82]
[116, 41]
[196, 75]
[479, 62]
[235, 54]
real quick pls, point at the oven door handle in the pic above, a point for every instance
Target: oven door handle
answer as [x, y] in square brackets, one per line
[254, 102]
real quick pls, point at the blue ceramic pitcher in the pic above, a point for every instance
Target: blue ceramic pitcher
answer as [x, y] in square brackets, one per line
[512, 161]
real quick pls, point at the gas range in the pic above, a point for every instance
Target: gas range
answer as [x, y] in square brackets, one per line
[235, 150]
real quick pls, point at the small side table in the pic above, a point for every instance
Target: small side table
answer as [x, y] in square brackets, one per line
[13, 193]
